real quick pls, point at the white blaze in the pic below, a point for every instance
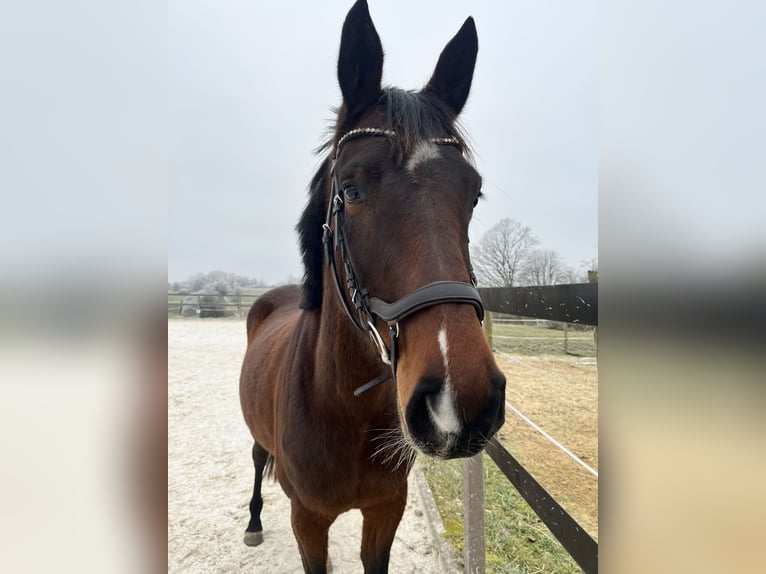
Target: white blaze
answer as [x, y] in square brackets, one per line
[443, 411]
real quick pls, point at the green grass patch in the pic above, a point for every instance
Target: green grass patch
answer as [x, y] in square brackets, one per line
[517, 541]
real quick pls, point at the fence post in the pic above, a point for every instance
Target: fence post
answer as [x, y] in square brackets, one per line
[488, 327]
[473, 507]
[566, 338]
[593, 278]
[474, 550]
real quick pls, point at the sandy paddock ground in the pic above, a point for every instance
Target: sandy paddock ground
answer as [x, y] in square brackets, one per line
[210, 475]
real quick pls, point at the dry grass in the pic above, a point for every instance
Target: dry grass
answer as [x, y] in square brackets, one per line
[560, 394]
[541, 340]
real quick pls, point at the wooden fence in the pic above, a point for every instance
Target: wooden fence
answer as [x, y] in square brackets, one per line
[210, 304]
[577, 304]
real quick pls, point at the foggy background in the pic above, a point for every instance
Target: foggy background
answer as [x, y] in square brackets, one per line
[250, 86]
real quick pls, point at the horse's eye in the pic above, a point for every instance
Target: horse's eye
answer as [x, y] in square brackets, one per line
[351, 193]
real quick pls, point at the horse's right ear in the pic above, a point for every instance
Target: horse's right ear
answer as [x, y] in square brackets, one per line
[452, 77]
[360, 62]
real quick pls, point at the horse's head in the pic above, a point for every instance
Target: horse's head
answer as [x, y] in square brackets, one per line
[399, 194]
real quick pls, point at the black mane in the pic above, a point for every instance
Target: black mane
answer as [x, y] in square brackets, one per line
[414, 116]
[310, 234]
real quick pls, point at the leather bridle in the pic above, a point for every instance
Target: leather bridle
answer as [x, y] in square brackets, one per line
[367, 308]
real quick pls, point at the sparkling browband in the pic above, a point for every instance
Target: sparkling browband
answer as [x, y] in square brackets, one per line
[366, 132]
[391, 133]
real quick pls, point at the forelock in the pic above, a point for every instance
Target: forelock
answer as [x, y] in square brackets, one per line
[415, 117]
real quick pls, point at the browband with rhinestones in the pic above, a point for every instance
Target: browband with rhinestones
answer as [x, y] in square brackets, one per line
[367, 132]
[391, 133]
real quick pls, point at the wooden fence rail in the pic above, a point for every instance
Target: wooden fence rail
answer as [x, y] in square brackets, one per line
[575, 540]
[577, 303]
[215, 302]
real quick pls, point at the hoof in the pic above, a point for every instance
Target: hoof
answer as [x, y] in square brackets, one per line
[253, 538]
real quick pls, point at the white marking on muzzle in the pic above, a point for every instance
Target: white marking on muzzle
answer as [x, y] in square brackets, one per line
[443, 412]
[424, 151]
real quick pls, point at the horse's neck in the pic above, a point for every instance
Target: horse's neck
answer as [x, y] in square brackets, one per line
[346, 360]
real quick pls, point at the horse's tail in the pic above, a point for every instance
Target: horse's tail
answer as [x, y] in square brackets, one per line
[268, 469]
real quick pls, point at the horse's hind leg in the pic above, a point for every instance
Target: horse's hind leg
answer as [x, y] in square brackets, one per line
[254, 532]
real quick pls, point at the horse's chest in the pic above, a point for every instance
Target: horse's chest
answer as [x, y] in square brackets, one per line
[337, 473]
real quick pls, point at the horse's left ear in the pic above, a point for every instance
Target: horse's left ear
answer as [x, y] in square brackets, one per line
[452, 77]
[360, 62]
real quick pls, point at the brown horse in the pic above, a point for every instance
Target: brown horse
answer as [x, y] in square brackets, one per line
[336, 410]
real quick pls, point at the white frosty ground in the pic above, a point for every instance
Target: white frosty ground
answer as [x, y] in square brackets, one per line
[210, 473]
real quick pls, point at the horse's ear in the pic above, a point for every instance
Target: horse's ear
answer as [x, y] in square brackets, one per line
[360, 63]
[452, 77]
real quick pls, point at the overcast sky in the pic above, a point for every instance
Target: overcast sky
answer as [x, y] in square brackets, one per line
[250, 90]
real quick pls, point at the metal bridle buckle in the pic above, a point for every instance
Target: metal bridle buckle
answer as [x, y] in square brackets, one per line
[378, 341]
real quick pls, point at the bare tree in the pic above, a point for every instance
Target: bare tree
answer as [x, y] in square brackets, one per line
[574, 276]
[545, 267]
[219, 282]
[501, 252]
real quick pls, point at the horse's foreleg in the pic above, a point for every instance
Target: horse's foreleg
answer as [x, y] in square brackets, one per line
[380, 524]
[310, 531]
[254, 532]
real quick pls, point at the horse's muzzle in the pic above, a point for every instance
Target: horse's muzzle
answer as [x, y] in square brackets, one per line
[436, 423]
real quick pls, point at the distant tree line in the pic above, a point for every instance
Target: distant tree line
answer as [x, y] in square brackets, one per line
[508, 255]
[215, 283]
